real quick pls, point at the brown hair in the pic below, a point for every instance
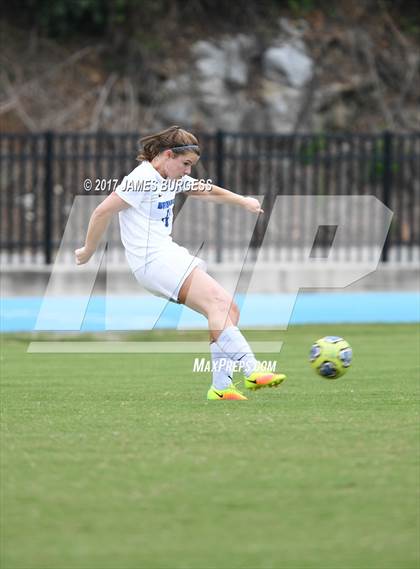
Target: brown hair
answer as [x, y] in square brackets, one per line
[173, 137]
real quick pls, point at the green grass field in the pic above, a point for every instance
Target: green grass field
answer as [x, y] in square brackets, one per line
[117, 461]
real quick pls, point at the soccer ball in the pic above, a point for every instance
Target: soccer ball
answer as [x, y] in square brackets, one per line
[331, 356]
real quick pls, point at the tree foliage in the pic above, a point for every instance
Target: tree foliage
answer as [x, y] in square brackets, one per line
[68, 18]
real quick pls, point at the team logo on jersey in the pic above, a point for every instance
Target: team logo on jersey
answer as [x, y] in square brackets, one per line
[164, 205]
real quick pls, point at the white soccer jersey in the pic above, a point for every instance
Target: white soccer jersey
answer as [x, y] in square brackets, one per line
[146, 226]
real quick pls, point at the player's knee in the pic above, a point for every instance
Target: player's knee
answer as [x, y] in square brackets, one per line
[221, 303]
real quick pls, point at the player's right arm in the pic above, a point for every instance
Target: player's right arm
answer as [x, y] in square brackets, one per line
[98, 224]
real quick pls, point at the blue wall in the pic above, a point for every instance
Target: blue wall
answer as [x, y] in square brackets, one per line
[19, 314]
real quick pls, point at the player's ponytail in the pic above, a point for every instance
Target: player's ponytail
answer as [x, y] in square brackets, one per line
[174, 138]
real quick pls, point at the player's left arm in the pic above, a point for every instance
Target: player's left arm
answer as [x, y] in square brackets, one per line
[216, 194]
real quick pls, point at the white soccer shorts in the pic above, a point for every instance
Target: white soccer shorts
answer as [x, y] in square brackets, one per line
[165, 274]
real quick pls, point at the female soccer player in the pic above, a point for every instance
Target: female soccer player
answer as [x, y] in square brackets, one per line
[145, 200]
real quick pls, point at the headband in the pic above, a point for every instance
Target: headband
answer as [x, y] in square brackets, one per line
[185, 147]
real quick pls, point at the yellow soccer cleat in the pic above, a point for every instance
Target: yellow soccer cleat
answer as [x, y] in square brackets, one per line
[231, 393]
[259, 379]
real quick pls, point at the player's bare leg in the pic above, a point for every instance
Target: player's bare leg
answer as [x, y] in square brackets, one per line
[204, 294]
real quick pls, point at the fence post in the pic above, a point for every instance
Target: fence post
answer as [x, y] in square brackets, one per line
[387, 185]
[48, 196]
[220, 182]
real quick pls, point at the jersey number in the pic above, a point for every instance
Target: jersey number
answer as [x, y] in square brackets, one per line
[166, 218]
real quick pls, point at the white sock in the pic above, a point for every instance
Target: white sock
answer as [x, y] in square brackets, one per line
[222, 377]
[234, 345]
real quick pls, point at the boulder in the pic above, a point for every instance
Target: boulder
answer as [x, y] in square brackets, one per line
[178, 102]
[220, 80]
[226, 60]
[289, 60]
[282, 105]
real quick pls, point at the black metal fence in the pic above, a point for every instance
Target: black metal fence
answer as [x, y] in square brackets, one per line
[41, 174]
